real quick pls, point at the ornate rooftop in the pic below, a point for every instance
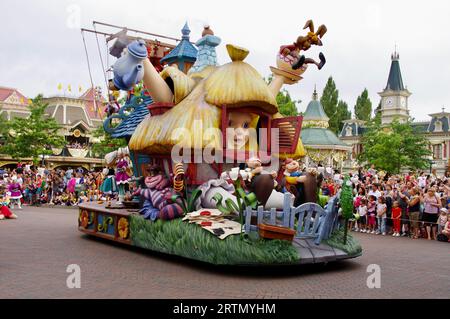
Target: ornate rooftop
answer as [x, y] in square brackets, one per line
[184, 51]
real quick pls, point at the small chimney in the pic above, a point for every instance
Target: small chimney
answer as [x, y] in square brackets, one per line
[207, 30]
[206, 55]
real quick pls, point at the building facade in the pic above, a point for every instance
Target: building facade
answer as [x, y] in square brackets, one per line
[322, 146]
[395, 105]
[78, 117]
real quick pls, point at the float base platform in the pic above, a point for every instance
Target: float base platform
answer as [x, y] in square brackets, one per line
[190, 241]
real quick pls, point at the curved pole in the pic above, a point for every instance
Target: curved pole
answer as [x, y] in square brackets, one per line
[156, 86]
[276, 84]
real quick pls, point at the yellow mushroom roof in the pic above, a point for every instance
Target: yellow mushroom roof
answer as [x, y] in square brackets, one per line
[238, 84]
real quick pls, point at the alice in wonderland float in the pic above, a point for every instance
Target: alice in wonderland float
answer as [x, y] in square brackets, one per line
[217, 167]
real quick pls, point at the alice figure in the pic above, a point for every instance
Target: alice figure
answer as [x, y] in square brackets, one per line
[109, 186]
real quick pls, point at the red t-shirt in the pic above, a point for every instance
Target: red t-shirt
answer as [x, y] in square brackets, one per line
[396, 212]
[331, 189]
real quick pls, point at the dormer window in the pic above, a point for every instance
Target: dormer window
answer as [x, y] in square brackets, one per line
[438, 126]
[348, 131]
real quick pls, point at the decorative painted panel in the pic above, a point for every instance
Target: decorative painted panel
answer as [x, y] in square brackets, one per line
[86, 220]
[106, 224]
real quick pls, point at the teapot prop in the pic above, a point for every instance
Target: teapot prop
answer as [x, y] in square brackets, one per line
[129, 68]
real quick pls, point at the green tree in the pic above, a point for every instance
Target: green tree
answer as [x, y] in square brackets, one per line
[32, 136]
[377, 118]
[336, 110]
[106, 144]
[330, 98]
[394, 147]
[363, 107]
[286, 105]
[2, 126]
[342, 114]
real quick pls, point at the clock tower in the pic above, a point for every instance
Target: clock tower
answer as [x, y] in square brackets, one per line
[394, 98]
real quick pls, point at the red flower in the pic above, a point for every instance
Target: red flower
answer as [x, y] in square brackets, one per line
[206, 224]
[84, 219]
[205, 213]
[123, 228]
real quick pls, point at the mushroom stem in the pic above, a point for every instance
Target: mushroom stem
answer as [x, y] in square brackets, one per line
[156, 86]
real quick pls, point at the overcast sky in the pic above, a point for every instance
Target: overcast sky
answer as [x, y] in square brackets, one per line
[41, 44]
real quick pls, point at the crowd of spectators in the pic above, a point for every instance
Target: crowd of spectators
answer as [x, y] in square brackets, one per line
[77, 145]
[66, 187]
[413, 205]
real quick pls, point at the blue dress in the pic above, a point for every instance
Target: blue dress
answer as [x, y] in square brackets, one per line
[109, 185]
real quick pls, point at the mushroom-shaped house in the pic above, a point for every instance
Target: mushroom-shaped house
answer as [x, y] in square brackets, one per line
[207, 103]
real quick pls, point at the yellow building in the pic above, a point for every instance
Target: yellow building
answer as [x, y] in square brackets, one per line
[79, 117]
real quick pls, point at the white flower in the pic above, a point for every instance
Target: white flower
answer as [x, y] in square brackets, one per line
[244, 175]
[234, 174]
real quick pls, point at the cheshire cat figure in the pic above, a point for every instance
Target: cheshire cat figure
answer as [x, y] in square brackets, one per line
[157, 197]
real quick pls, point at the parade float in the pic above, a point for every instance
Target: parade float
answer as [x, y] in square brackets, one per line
[216, 166]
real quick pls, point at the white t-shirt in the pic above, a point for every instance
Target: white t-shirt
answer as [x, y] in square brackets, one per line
[362, 211]
[354, 179]
[376, 194]
[422, 181]
[381, 207]
[41, 171]
[337, 179]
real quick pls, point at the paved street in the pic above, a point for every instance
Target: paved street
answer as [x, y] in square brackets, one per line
[36, 249]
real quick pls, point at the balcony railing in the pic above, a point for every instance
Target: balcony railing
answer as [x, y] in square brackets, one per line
[78, 152]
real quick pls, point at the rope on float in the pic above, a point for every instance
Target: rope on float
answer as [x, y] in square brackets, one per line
[101, 59]
[89, 66]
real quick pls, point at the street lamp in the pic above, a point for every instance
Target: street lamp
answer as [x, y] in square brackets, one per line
[430, 161]
[44, 157]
